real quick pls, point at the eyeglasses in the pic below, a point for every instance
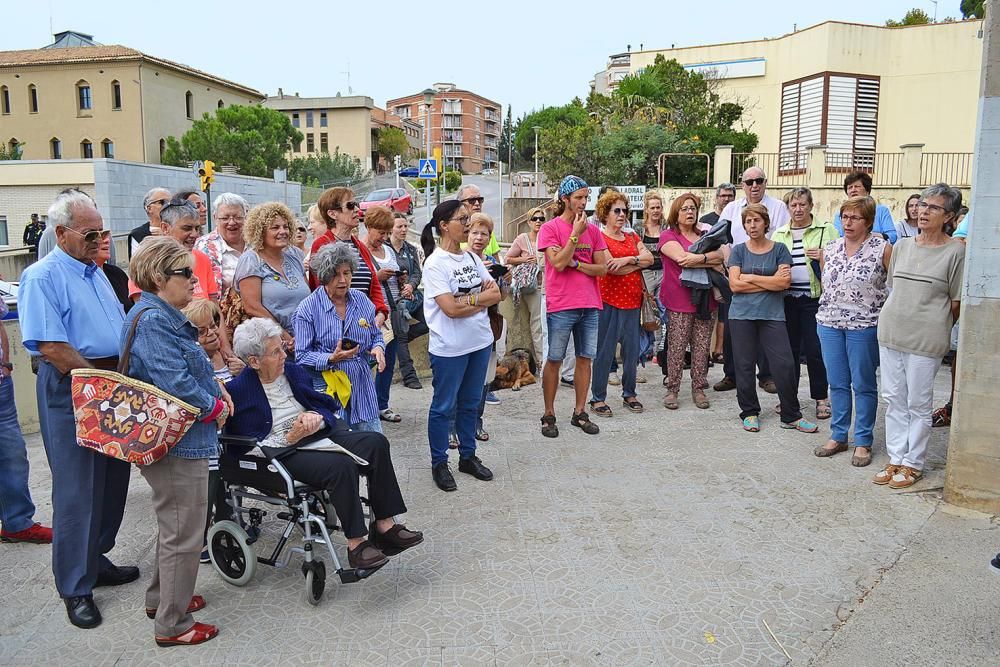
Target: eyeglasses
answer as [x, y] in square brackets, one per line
[187, 272]
[231, 218]
[474, 200]
[852, 218]
[92, 236]
[349, 205]
[538, 218]
[302, 229]
[754, 181]
[620, 211]
[161, 202]
[932, 207]
[689, 209]
[464, 219]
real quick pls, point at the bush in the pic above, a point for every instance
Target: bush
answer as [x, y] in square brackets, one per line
[452, 180]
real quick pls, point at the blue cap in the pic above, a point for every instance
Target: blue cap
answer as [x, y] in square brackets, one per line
[571, 184]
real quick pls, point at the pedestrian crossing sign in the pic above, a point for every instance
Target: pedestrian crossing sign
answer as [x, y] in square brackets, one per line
[428, 169]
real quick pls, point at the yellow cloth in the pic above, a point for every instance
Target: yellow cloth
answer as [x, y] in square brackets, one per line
[338, 385]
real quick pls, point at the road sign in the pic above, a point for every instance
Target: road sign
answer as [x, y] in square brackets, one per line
[634, 194]
[428, 169]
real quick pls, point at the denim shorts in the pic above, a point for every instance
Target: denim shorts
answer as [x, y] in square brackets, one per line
[581, 323]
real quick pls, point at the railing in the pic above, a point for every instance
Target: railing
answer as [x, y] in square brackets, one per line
[522, 220]
[782, 169]
[955, 169]
[884, 168]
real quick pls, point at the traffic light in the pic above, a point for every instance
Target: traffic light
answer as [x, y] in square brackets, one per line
[207, 174]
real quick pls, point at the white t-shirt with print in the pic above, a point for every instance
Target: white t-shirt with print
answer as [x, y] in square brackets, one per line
[445, 273]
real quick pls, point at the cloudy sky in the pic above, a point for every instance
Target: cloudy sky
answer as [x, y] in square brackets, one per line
[527, 55]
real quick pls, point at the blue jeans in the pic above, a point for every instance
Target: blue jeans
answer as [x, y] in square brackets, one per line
[615, 325]
[17, 512]
[851, 358]
[458, 387]
[582, 323]
[383, 380]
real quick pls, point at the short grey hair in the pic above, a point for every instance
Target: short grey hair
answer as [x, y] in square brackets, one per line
[61, 211]
[229, 199]
[952, 197]
[177, 211]
[329, 258]
[462, 190]
[748, 169]
[250, 338]
[725, 186]
[152, 195]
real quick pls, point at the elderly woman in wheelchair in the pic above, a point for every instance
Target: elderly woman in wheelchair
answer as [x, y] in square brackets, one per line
[294, 425]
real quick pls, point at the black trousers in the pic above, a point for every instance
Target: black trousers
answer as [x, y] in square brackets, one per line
[339, 475]
[728, 367]
[749, 336]
[800, 320]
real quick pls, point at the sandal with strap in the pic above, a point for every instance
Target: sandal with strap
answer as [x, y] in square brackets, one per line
[197, 604]
[452, 441]
[582, 421]
[700, 400]
[198, 633]
[942, 416]
[905, 476]
[388, 415]
[603, 410]
[883, 476]
[549, 428]
[481, 434]
[633, 404]
[823, 410]
[862, 456]
[751, 423]
[670, 401]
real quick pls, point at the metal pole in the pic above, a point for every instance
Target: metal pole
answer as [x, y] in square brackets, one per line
[536, 161]
[427, 182]
[208, 206]
[503, 230]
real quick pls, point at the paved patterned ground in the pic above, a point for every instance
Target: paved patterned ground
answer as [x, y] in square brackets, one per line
[670, 538]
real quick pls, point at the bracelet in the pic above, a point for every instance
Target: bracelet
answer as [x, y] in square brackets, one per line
[705, 255]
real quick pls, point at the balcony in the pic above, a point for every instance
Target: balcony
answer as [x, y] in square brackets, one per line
[492, 128]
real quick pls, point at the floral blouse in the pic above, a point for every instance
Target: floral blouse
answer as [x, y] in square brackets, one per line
[854, 288]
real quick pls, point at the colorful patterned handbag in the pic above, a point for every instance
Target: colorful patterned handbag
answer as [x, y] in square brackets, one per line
[124, 418]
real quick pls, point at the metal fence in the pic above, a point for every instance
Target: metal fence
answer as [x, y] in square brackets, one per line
[884, 168]
[782, 169]
[955, 169]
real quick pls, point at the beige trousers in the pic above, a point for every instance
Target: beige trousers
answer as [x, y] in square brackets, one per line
[180, 500]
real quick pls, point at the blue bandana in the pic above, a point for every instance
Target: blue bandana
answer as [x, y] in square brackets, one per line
[571, 184]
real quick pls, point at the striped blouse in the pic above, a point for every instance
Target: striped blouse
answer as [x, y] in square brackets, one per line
[318, 329]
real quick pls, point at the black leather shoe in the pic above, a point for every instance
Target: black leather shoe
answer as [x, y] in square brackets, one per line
[82, 612]
[116, 576]
[443, 477]
[473, 466]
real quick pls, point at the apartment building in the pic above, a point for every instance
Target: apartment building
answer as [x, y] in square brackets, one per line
[76, 98]
[464, 124]
[857, 89]
[414, 134]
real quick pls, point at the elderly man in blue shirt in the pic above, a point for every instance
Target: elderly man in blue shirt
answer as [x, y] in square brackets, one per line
[859, 184]
[71, 318]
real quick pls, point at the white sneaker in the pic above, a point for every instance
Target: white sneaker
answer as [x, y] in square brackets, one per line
[614, 380]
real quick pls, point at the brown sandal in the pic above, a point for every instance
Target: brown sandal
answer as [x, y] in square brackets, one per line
[670, 401]
[700, 400]
[823, 451]
[864, 459]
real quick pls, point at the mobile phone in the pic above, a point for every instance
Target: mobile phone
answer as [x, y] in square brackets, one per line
[498, 271]
[348, 344]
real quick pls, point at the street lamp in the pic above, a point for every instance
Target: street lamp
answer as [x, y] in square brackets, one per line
[428, 102]
[536, 128]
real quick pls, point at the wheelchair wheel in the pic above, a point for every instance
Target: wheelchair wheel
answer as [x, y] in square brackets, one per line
[232, 557]
[315, 572]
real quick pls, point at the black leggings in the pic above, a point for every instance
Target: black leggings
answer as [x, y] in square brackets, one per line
[748, 337]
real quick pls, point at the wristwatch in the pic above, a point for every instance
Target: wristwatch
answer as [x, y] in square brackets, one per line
[635, 260]
[574, 239]
[575, 264]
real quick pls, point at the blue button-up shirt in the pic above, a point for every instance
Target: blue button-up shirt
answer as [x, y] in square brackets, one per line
[318, 329]
[63, 300]
[165, 353]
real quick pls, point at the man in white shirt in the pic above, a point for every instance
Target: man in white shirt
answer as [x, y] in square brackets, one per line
[755, 190]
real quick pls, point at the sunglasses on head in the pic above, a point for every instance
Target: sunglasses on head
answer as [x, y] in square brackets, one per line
[349, 205]
[754, 181]
[474, 200]
[538, 218]
[92, 236]
[187, 272]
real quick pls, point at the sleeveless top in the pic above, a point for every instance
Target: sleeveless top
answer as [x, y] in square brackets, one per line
[854, 288]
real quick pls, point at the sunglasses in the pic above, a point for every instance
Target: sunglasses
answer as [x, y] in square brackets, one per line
[302, 229]
[619, 211]
[538, 218]
[474, 200]
[754, 181]
[349, 205]
[187, 272]
[91, 236]
[161, 202]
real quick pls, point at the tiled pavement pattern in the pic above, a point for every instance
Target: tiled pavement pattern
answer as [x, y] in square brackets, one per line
[670, 538]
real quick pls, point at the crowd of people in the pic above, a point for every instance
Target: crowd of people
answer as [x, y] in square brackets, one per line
[296, 343]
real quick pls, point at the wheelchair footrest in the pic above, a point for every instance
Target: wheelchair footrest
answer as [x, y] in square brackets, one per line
[356, 574]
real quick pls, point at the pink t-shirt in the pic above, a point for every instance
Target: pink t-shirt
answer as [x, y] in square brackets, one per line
[673, 295]
[570, 288]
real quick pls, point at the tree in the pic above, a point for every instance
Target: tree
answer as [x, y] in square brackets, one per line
[915, 16]
[325, 169]
[392, 142]
[506, 137]
[11, 152]
[973, 9]
[255, 139]
[524, 134]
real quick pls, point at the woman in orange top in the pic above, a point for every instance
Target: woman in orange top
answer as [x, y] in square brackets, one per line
[621, 294]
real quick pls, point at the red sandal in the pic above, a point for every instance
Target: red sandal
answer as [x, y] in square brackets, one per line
[199, 633]
[197, 604]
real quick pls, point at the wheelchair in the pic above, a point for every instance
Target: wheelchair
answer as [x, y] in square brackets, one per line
[231, 544]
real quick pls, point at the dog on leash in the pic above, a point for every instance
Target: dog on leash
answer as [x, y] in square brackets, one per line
[515, 370]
